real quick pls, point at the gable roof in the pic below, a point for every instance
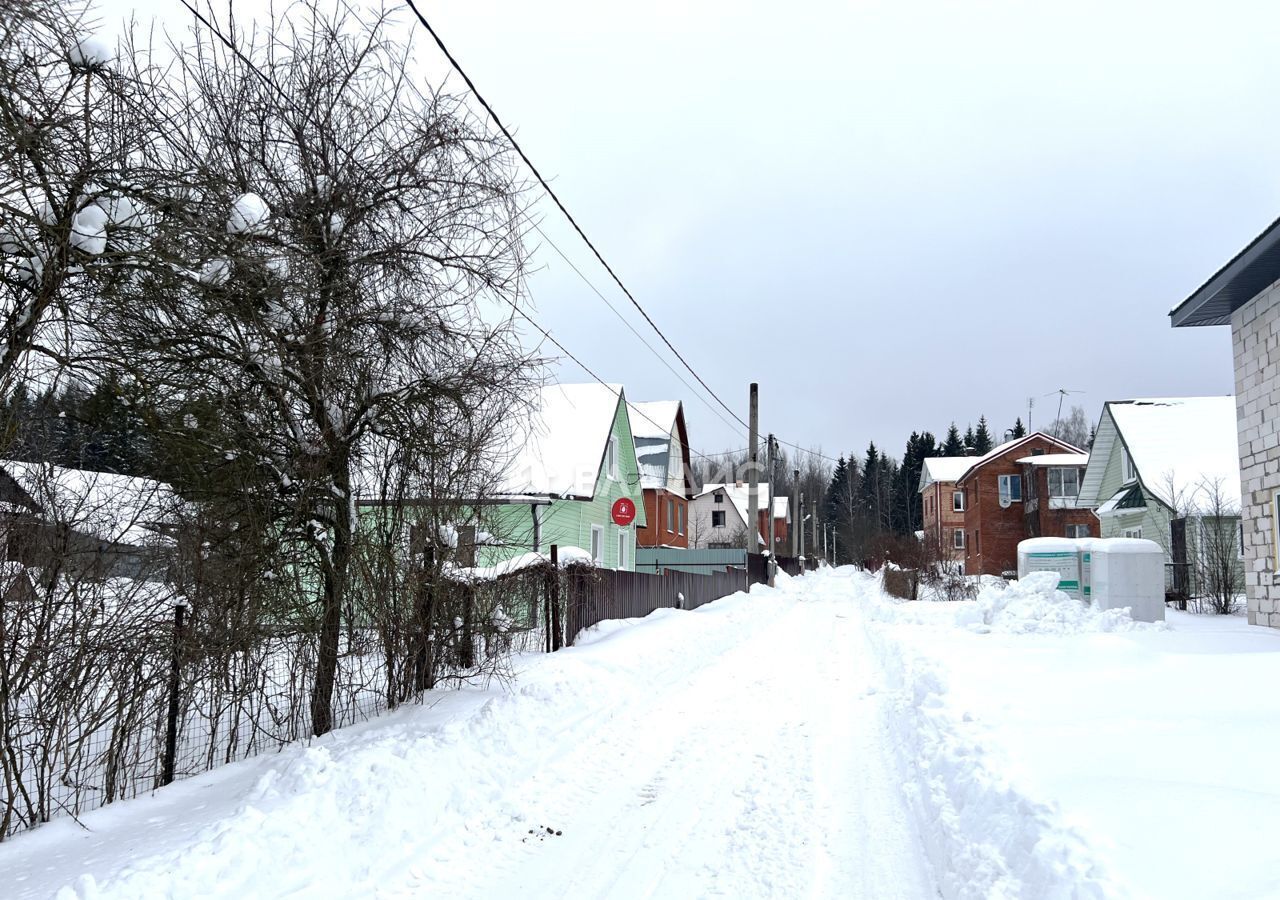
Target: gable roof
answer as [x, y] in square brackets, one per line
[653, 418]
[653, 423]
[738, 496]
[1000, 450]
[1179, 446]
[558, 449]
[944, 469]
[118, 509]
[1245, 276]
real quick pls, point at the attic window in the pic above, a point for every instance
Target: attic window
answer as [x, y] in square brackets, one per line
[611, 458]
[1127, 467]
[719, 498]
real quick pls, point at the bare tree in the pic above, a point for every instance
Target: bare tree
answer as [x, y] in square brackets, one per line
[1074, 429]
[335, 232]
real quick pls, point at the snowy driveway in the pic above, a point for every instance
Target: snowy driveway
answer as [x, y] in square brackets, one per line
[740, 750]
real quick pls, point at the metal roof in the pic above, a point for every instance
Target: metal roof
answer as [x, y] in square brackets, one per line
[1249, 273]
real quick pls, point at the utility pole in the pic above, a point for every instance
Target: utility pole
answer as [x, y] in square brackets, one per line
[797, 522]
[800, 529]
[769, 504]
[753, 474]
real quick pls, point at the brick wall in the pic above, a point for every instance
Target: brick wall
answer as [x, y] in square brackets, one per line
[992, 532]
[655, 533]
[940, 520]
[1255, 343]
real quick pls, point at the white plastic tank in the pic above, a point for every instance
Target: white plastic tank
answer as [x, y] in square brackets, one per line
[1128, 572]
[1048, 554]
[1084, 547]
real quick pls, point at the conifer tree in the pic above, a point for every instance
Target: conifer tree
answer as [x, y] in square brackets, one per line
[953, 445]
[1019, 430]
[969, 440]
[982, 442]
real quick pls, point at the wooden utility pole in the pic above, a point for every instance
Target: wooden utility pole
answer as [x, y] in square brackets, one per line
[753, 472]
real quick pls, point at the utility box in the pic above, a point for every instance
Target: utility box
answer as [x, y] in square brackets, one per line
[1046, 554]
[1128, 572]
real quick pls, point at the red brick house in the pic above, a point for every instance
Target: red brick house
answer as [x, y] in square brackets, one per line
[943, 504]
[1010, 495]
[662, 452]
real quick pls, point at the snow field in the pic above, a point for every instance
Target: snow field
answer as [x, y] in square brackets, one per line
[1113, 761]
[986, 838]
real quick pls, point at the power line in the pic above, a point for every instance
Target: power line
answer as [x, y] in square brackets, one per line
[629, 326]
[572, 221]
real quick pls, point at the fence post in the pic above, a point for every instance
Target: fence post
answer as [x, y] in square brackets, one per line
[175, 672]
[557, 638]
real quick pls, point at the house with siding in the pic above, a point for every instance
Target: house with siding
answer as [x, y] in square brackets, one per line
[570, 459]
[942, 504]
[1245, 294]
[1161, 461]
[1004, 502]
[666, 476]
[719, 513]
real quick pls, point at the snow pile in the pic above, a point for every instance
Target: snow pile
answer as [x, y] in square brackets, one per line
[567, 556]
[986, 837]
[90, 53]
[1034, 605]
[249, 215]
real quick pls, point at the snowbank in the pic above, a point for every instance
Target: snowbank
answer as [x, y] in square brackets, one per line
[1034, 605]
[985, 836]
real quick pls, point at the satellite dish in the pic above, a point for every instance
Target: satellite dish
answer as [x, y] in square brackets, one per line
[1005, 502]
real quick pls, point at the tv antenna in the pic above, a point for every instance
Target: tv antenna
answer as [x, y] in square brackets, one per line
[1062, 394]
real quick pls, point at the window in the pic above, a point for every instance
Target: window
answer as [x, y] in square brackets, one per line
[1010, 488]
[681, 512]
[611, 458]
[597, 545]
[671, 516]
[957, 501]
[1064, 483]
[719, 498]
[623, 546]
[1133, 532]
[1077, 531]
[717, 518]
[1126, 466]
[1240, 539]
[957, 539]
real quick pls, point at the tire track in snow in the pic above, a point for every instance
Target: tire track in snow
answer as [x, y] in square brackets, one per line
[762, 774]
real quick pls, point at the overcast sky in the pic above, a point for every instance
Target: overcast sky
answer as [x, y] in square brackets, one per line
[891, 214]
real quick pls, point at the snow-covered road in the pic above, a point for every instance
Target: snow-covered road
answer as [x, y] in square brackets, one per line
[740, 750]
[760, 771]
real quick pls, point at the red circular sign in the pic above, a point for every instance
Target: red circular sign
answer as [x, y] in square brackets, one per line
[624, 511]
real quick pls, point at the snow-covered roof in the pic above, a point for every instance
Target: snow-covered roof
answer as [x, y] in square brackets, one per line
[1002, 449]
[558, 449]
[653, 456]
[1056, 459]
[1182, 445]
[738, 496]
[944, 469]
[653, 418]
[119, 509]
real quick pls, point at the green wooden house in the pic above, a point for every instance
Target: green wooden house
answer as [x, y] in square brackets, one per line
[1163, 461]
[568, 464]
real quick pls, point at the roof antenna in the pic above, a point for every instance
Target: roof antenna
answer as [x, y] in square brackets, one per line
[1062, 393]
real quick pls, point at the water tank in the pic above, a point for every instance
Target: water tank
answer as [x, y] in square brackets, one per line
[1128, 572]
[1047, 554]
